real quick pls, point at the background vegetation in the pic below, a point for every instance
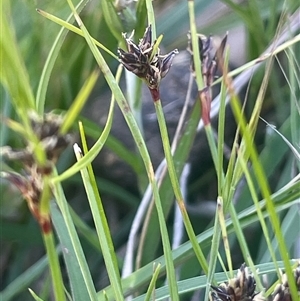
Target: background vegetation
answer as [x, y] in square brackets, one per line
[45, 69]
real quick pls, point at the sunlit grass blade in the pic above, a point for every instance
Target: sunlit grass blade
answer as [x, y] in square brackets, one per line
[213, 255]
[151, 288]
[195, 46]
[225, 236]
[69, 237]
[76, 279]
[16, 127]
[236, 222]
[259, 212]
[51, 58]
[294, 80]
[74, 29]
[221, 131]
[13, 73]
[94, 151]
[92, 130]
[34, 295]
[85, 230]
[101, 224]
[78, 103]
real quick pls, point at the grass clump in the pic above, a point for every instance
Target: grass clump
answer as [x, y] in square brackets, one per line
[105, 213]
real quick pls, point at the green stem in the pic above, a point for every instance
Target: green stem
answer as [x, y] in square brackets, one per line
[213, 148]
[238, 230]
[195, 46]
[176, 187]
[150, 291]
[215, 243]
[46, 228]
[54, 266]
[221, 218]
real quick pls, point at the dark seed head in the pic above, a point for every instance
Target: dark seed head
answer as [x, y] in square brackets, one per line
[143, 62]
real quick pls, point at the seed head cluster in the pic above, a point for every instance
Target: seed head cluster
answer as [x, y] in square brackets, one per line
[209, 65]
[30, 181]
[282, 290]
[145, 60]
[242, 288]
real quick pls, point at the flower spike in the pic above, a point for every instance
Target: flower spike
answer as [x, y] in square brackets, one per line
[145, 61]
[209, 65]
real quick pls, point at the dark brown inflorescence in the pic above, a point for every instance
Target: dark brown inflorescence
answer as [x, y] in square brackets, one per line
[31, 181]
[240, 288]
[51, 140]
[282, 290]
[209, 65]
[145, 61]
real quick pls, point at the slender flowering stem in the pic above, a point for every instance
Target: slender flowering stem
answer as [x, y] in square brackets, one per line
[145, 61]
[175, 185]
[47, 233]
[130, 58]
[58, 285]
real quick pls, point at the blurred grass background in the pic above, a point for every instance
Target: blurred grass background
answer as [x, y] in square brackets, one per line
[252, 26]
